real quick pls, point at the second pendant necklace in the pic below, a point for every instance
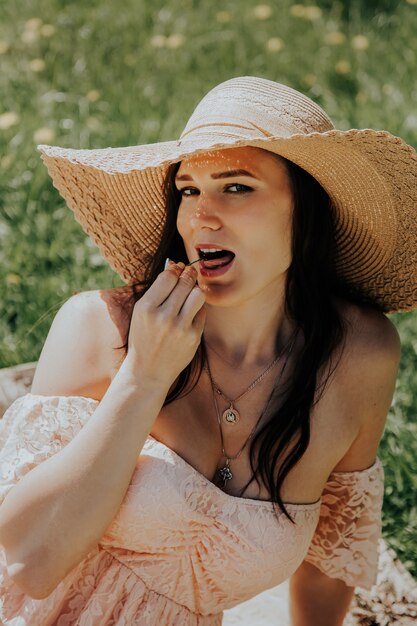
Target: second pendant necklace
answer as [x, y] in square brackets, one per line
[224, 473]
[231, 415]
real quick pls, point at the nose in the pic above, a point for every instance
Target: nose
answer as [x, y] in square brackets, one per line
[205, 213]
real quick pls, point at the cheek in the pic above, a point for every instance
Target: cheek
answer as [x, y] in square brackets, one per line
[285, 228]
[286, 241]
[283, 220]
[183, 222]
[276, 244]
[275, 229]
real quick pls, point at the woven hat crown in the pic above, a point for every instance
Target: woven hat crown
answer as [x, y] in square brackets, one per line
[250, 108]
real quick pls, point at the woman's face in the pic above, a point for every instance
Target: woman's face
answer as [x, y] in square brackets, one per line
[248, 212]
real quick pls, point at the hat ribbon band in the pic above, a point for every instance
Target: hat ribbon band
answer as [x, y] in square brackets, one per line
[264, 132]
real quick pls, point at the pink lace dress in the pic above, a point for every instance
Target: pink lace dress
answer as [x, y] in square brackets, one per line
[180, 550]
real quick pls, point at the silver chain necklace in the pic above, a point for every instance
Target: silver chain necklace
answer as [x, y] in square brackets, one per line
[231, 414]
[224, 473]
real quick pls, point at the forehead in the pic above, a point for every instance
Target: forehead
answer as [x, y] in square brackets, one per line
[247, 157]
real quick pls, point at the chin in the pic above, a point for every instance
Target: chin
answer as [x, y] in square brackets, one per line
[221, 294]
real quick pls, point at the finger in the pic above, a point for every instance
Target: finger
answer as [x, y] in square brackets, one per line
[192, 306]
[180, 293]
[165, 282]
[170, 264]
[177, 268]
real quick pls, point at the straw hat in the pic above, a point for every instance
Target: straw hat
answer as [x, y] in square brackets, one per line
[370, 176]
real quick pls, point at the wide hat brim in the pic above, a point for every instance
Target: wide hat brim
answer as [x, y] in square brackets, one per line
[370, 176]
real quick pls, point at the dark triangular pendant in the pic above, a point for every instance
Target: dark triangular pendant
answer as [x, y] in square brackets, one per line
[225, 474]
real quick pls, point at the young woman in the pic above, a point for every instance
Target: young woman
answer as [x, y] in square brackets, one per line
[211, 429]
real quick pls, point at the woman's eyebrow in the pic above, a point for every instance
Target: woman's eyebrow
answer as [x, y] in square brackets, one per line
[228, 174]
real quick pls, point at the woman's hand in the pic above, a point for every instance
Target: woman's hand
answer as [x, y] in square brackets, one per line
[166, 325]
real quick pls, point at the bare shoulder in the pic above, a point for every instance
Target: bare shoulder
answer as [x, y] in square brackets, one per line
[365, 383]
[371, 338]
[79, 353]
[111, 310]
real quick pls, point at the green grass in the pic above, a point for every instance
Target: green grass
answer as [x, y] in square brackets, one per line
[111, 73]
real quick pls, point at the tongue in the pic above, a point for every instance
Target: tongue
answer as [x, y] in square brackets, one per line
[219, 262]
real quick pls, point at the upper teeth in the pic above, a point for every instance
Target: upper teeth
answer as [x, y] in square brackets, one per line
[211, 249]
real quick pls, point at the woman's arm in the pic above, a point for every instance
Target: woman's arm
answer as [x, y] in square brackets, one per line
[369, 379]
[57, 513]
[317, 599]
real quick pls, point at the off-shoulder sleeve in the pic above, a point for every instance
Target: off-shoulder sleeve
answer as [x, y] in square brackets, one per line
[345, 542]
[36, 427]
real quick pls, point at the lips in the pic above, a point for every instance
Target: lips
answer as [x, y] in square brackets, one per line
[214, 255]
[215, 259]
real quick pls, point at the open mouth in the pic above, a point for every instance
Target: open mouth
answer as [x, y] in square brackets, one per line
[212, 259]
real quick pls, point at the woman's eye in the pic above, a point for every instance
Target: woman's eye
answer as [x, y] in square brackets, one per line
[243, 188]
[184, 191]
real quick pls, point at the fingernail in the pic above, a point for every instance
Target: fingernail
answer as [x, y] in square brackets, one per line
[169, 263]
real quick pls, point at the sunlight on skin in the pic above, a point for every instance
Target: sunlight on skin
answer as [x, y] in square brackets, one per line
[249, 216]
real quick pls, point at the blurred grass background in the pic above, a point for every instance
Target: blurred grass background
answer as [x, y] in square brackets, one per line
[98, 74]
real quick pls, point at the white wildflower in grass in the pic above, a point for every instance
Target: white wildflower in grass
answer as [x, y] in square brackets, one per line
[44, 135]
[93, 95]
[4, 228]
[97, 260]
[361, 97]
[312, 13]
[310, 79]
[360, 42]
[29, 36]
[4, 47]
[343, 67]
[31, 30]
[47, 30]
[37, 65]
[8, 119]
[158, 41]
[298, 10]
[175, 41]
[223, 17]
[33, 24]
[6, 162]
[262, 11]
[335, 38]
[93, 123]
[275, 44]
[66, 123]
[13, 279]
[410, 122]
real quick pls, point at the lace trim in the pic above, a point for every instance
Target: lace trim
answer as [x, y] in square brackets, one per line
[221, 493]
[345, 543]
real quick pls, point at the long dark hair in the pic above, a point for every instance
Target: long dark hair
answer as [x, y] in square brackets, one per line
[311, 286]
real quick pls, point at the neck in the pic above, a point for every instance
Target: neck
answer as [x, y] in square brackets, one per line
[250, 334]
